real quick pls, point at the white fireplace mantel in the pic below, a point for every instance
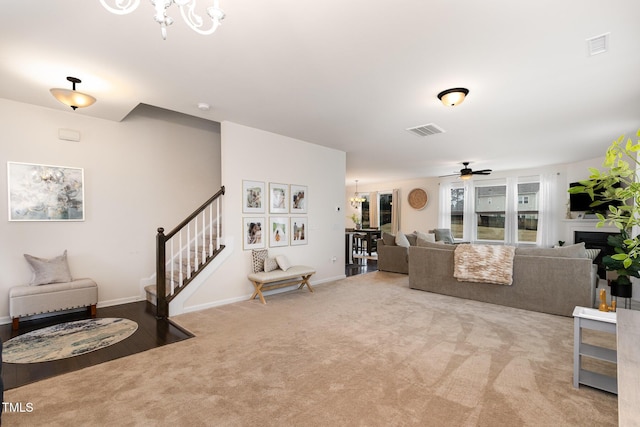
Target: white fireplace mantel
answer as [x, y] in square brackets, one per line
[573, 225]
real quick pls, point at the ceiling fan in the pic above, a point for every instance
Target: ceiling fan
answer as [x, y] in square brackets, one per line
[466, 172]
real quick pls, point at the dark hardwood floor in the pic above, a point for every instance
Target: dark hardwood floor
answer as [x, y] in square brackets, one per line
[361, 267]
[151, 333]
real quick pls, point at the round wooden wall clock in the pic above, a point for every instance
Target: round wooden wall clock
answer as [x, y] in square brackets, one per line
[418, 198]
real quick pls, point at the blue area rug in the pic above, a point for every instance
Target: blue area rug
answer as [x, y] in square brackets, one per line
[67, 340]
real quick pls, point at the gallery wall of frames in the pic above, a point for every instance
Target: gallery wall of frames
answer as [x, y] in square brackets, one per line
[274, 214]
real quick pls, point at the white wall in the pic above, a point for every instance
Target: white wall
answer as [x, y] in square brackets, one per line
[252, 154]
[410, 219]
[427, 218]
[150, 170]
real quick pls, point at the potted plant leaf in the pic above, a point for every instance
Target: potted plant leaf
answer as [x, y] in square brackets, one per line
[617, 183]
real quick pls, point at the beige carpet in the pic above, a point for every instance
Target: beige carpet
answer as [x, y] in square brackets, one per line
[364, 351]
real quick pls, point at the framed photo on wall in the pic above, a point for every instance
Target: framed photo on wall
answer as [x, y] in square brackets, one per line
[278, 231]
[278, 198]
[299, 230]
[44, 192]
[254, 197]
[253, 233]
[299, 199]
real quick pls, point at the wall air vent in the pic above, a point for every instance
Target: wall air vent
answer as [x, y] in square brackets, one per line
[598, 44]
[426, 130]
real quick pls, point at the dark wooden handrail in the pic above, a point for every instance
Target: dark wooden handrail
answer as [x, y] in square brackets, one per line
[161, 240]
[194, 214]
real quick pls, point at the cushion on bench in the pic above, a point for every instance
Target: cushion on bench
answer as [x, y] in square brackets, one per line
[277, 275]
[36, 299]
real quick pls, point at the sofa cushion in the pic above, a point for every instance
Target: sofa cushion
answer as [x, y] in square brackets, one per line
[592, 253]
[572, 251]
[388, 239]
[46, 271]
[401, 240]
[443, 235]
[436, 245]
[412, 238]
[422, 236]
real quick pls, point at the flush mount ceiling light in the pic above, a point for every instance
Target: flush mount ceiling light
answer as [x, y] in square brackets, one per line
[71, 97]
[187, 10]
[357, 200]
[453, 97]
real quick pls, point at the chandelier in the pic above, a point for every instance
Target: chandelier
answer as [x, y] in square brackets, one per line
[187, 9]
[356, 200]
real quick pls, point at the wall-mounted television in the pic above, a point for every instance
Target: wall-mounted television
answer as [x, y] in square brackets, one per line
[580, 202]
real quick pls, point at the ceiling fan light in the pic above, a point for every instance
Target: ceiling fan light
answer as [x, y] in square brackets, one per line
[453, 97]
[465, 177]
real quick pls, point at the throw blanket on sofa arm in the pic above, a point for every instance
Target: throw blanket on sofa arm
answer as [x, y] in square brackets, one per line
[484, 264]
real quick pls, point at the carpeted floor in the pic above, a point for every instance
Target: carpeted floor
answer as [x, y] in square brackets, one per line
[366, 351]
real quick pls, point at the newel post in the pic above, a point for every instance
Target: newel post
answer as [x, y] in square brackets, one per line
[161, 275]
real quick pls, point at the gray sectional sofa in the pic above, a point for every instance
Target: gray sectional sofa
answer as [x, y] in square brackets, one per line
[548, 280]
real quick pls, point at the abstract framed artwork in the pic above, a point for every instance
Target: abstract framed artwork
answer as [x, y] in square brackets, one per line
[45, 193]
[299, 199]
[278, 231]
[299, 230]
[278, 198]
[253, 197]
[252, 234]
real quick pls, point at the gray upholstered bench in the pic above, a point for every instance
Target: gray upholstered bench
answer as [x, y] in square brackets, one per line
[29, 300]
[266, 281]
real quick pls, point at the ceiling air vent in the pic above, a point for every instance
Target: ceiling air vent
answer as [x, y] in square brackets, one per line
[426, 130]
[598, 44]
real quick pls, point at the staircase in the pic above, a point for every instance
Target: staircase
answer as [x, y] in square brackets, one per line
[184, 252]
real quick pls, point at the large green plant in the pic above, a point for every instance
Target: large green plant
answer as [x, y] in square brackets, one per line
[618, 183]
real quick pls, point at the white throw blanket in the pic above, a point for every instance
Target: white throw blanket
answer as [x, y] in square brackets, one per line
[484, 264]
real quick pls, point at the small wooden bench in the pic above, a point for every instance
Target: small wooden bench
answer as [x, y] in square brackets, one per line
[266, 281]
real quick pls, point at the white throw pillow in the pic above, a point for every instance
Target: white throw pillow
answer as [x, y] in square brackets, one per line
[427, 237]
[283, 262]
[270, 264]
[401, 240]
[45, 271]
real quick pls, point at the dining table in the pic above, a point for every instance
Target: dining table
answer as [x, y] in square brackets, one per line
[370, 233]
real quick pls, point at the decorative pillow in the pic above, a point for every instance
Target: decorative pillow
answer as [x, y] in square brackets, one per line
[443, 235]
[283, 262]
[388, 239]
[270, 264]
[572, 251]
[258, 256]
[412, 238]
[592, 253]
[401, 240]
[427, 237]
[45, 271]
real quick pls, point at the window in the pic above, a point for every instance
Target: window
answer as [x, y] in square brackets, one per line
[457, 212]
[386, 202]
[496, 210]
[366, 213]
[490, 203]
[528, 194]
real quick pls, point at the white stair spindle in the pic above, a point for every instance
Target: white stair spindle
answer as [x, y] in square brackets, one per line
[204, 237]
[188, 251]
[210, 230]
[218, 224]
[181, 275]
[172, 261]
[195, 244]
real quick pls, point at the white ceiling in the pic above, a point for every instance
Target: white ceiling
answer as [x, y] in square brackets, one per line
[353, 75]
